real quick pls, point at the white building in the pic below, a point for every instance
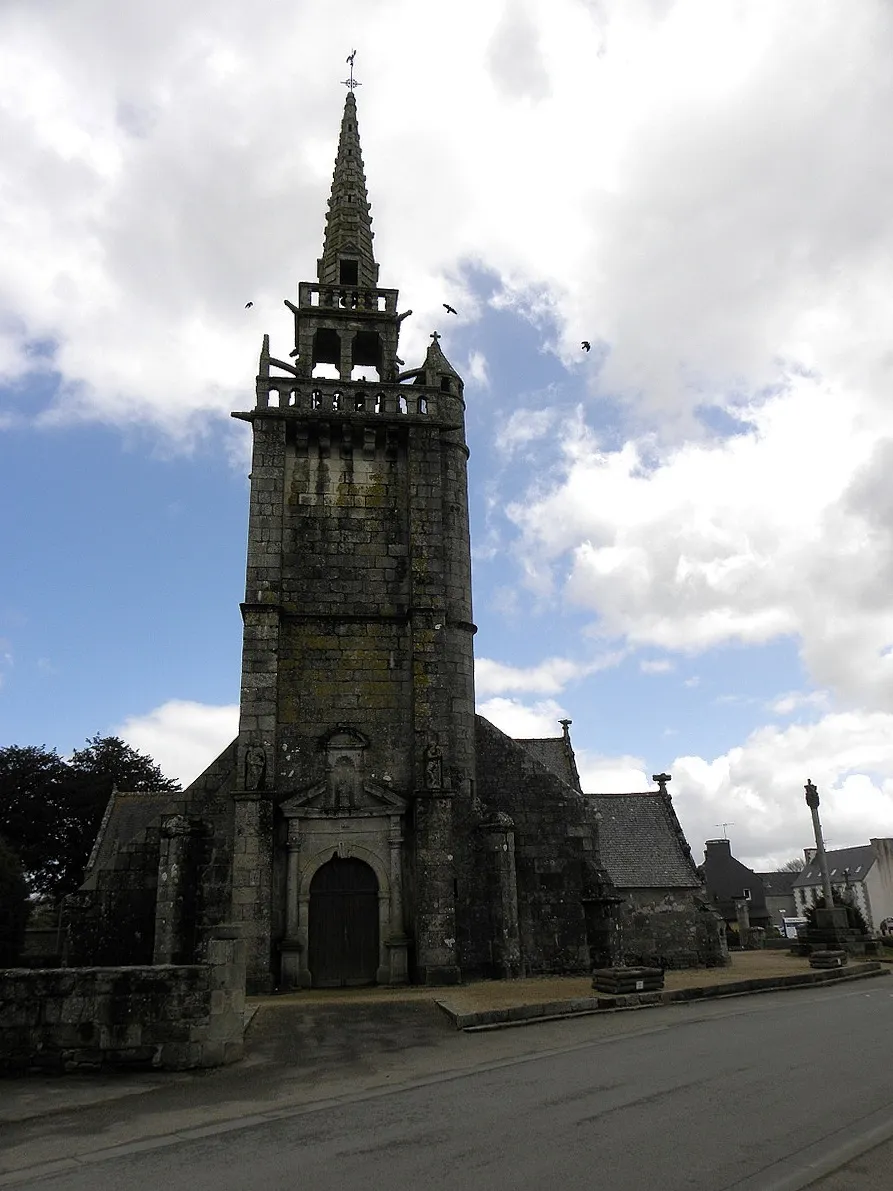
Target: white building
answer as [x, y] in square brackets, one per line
[865, 874]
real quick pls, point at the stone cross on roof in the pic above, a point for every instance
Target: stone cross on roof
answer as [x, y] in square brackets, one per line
[661, 779]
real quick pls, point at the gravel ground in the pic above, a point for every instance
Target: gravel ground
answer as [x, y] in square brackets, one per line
[502, 994]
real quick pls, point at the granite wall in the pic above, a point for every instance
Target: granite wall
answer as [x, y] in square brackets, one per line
[171, 1017]
[670, 928]
[556, 864]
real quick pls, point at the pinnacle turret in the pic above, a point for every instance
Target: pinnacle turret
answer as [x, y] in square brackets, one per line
[347, 256]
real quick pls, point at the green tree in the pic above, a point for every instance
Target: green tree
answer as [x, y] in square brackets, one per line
[14, 906]
[108, 759]
[32, 784]
[50, 809]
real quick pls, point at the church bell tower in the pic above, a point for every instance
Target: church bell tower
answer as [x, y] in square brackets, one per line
[356, 732]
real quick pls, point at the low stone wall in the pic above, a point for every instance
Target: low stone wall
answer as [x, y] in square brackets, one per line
[669, 929]
[168, 1016]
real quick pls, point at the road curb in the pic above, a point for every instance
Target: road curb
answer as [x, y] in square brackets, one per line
[527, 1015]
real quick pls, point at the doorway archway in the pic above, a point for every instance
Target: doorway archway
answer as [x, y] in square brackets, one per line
[343, 941]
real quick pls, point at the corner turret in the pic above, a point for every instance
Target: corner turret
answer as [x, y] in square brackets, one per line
[437, 372]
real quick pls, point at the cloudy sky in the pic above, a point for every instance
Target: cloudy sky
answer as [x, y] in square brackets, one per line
[683, 539]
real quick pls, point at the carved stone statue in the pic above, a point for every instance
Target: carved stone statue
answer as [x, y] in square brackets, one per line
[343, 784]
[433, 766]
[255, 767]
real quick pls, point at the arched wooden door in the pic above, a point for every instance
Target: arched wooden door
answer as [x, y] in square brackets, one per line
[343, 924]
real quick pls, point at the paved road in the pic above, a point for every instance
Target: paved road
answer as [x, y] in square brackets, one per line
[755, 1094]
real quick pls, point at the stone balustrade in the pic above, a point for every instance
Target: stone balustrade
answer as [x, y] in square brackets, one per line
[328, 398]
[347, 297]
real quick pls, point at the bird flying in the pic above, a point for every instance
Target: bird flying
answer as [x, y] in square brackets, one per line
[449, 308]
[586, 345]
[247, 304]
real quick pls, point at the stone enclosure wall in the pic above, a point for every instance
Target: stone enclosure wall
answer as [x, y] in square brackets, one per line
[665, 928]
[168, 1016]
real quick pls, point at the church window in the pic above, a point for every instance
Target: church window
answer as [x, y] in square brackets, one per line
[445, 384]
[348, 272]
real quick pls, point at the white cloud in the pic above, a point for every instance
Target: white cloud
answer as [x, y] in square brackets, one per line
[547, 678]
[524, 426]
[519, 720]
[794, 700]
[611, 775]
[181, 736]
[780, 531]
[758, 787]
[477, 371]
[726, 218]
[656, 666]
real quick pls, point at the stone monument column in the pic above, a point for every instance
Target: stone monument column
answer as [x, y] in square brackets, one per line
[172, 882]
[831, 923]
[499, 839]
[397, 941]
[292, 946]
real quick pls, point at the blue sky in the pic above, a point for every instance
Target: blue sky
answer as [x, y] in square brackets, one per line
[681, 539]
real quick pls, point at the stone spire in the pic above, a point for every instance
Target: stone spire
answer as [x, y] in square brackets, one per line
[347, 257]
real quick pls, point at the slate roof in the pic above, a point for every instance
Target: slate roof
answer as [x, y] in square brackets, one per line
[642, 845]
[554, 754]
[778, 884]
[126, 818]
[857, 860]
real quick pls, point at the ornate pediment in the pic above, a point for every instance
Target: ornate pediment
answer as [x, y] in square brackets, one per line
[324, 799]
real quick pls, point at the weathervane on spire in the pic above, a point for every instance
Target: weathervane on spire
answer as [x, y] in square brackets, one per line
[351, 82]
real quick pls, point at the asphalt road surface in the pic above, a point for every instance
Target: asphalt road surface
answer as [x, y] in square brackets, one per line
[756, 1094]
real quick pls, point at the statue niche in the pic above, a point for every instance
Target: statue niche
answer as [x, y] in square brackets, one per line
[343, 785]
[344, 762]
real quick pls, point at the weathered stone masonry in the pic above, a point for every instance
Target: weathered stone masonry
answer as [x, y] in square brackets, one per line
[365, 825]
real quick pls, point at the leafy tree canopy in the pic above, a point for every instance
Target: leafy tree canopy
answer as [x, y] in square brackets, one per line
[13, 906]
[51, 808]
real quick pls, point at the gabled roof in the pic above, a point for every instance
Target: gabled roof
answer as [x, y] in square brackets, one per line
[126, 819]
[857, 860]
[642, 843]
[778, 884]
[555, 754]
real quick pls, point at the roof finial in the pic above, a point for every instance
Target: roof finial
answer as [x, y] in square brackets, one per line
[351, 82]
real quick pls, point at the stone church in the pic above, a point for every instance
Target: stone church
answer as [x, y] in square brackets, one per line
[366, 826]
